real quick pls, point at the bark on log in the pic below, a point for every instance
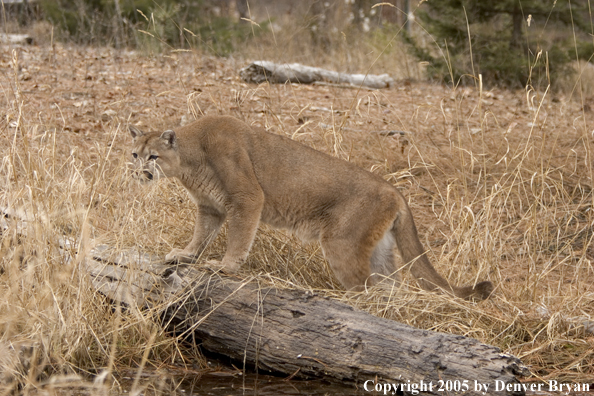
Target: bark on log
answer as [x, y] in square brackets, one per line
[292, 331]
[261, 71]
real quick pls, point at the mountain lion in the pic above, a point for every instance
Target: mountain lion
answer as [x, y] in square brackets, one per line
[245, 175]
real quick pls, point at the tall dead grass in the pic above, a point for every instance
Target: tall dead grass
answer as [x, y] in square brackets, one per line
[55, 198]
[334, 43]
[501, 191]
[500, 184]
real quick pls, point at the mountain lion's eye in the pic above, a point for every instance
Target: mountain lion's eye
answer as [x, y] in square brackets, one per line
[153, 157]
[134, 155]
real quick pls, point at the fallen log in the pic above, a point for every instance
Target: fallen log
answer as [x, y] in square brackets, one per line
[297, 332]
[16, 39]
[261, 71]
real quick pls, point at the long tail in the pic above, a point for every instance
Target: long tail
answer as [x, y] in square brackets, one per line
[413, 253]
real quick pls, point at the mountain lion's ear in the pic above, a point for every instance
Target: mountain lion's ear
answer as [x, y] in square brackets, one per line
[169, 136]
[135, 132]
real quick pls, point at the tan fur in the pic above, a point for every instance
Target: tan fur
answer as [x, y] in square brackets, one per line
[245, 175]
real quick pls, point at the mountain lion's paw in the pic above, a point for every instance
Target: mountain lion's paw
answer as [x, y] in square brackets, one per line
[221, 266]
[179, 255]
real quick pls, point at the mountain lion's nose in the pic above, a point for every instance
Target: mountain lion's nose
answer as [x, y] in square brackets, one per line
[147, 174]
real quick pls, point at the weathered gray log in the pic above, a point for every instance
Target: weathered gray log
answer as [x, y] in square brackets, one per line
[297, 332]
[14, 38]
[261, 71]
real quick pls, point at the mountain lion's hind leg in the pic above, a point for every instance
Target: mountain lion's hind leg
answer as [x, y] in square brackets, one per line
[383, 261]
[357, 249]
[349, 262]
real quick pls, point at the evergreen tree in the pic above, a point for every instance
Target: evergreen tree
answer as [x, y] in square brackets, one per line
[509, 42]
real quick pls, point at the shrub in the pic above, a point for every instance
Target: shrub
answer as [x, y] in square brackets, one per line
[510, 43]
[145, 23]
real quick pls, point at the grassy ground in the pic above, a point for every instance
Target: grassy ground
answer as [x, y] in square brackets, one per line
[500, 184]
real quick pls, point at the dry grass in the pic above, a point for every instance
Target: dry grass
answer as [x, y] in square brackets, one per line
[67, 185]
[341, 46]
[500, 184]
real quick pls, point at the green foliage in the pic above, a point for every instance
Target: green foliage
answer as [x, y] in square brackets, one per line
[509, 42]
[153, 25]
[76, 19]
[220, 35]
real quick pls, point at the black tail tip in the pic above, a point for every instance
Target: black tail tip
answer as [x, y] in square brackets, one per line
[482, 290]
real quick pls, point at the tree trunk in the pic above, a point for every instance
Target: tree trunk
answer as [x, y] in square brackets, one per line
[517, 39]
[296, 332]
[242, 10]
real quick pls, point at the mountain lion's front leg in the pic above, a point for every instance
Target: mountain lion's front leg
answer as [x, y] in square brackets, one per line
[244, 218]
[207, 226]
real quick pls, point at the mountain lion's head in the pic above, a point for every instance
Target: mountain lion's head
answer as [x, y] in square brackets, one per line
[155, 154]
